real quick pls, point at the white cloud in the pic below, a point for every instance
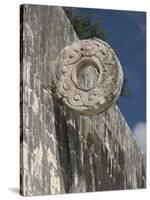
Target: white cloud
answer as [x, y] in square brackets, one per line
[140, 133]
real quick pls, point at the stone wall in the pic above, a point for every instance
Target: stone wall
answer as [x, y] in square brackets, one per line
[60, 150]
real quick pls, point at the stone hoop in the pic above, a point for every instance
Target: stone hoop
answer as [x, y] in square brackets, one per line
[101, 81]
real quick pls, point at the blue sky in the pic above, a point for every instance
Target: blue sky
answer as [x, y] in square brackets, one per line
[126, 34]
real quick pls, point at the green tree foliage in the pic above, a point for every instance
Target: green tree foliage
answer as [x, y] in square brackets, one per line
[125, 91]
[86, 27]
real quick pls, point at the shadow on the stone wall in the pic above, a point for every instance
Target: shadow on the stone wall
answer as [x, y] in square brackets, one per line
[63, 144]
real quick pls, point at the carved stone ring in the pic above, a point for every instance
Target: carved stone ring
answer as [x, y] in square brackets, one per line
[89, 76]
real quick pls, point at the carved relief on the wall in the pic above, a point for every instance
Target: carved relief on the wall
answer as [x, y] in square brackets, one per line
[88, 76]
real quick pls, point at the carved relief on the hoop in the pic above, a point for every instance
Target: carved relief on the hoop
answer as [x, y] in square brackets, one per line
[88, 76]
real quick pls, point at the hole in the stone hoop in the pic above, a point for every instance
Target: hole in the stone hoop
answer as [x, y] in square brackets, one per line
[87, 75]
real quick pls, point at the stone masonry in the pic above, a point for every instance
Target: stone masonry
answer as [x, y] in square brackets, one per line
[62, 151]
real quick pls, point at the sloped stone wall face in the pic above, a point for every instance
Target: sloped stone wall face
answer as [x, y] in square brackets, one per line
[62, 151]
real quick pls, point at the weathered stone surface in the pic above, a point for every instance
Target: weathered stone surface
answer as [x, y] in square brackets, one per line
[41, 41]
[60, 150]
[88, 76]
